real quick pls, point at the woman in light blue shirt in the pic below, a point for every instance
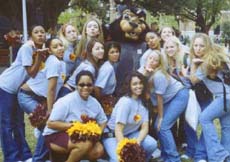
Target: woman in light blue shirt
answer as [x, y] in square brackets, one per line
[130, 119]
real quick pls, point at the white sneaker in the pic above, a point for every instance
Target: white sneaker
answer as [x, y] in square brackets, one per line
[184, 156]
[202, 160]
[28, 160]
[156, 153]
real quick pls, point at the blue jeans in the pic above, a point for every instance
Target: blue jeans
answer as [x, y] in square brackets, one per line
[28, 103]
[216, 150]
[110, 144]
[200, 151]
[172, 110]
[12, 129]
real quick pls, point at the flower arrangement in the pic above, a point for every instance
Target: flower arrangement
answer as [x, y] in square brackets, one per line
[128, 150]
[88, 129]
[137, 118]
[39, 116]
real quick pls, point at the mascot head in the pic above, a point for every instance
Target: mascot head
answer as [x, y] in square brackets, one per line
[130, 26]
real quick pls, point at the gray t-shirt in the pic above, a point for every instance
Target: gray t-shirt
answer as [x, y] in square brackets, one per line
[124, 112]
[214, 86]
[14, 76]
[71, 107]
[165, 86]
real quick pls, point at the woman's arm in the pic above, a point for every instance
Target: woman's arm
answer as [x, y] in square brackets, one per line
[192, 76]
[58, 125]
[51, 92]
[143, 132]
[102, 126]
[40, 55]
[119, 131]
[160, 110]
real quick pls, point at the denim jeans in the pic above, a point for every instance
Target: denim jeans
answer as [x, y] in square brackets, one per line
[172, 110]
[200, 151]
[12, 129]
[110, 144]
[28, 103]
[217, 150]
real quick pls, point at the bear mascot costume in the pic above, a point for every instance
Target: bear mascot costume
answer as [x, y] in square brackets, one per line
[129, 29]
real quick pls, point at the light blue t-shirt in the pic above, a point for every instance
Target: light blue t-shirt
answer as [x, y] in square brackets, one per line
[106, 78]
[67, 59]
[71, 107]
[124, 112]
[214, 86]
[165, 86]
[53, 68]
[14, 76]
[85, 65]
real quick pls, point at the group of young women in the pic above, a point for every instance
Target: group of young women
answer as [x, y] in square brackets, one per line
[79, 79]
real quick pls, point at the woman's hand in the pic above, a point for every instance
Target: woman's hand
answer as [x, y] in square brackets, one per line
[184, 71]
[197, 61]
[159, 124]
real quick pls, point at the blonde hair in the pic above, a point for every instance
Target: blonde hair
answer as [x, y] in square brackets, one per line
[216, 59]
[178, 55]
[62, 36]
[207, 41]
[161, 67]
[81, 48]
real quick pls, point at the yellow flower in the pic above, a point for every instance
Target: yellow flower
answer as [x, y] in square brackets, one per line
[89, 130]
[63, 76]
[137, 118]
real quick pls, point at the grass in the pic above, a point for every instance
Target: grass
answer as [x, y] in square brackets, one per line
[32, 140]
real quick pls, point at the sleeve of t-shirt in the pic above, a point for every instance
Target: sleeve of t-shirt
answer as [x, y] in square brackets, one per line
[59, 111]
[160, 83]
[26, 53]
[103, 76]
[90, 69]
[200, 74]
[53, 67]
[123, 110]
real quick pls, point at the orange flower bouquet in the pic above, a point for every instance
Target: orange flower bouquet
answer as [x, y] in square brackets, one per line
[86, 130]
[128, 150]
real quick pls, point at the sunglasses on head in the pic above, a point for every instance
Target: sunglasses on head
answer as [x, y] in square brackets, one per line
[85, 84]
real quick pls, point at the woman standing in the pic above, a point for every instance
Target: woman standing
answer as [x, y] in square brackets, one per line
[129, 119]
[211, 72]
[170, 97]
[43, 89]
[14, 145]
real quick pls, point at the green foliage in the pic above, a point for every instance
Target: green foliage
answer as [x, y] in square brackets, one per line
[74, 16]
[226, 29]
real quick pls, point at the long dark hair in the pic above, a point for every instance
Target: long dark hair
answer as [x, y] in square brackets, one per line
[126, 87]
[89, 55]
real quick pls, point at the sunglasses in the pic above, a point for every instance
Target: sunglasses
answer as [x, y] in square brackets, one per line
[85, 84]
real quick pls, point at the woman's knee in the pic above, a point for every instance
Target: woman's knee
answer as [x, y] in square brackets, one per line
[96, 152]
